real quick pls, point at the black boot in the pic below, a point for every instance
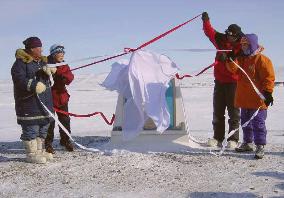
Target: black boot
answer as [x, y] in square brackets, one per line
[48, 147]
[67, 144]
[259, 153]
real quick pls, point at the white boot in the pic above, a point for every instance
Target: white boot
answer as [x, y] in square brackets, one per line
[31, 152]
[212, 143]
[41, 151]
[232, 144]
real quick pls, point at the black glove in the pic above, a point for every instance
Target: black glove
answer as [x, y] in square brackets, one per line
[268, 98]
[205, 16]
[226, 56]
[231, 55]
[222, 57]
[40, 74]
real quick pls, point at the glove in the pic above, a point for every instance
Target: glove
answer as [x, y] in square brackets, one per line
[40, 87]
[40, 74]
[49, 70]
[268, 98]
[223, 57]
[205, 16]
[53, 70]
[231, 55]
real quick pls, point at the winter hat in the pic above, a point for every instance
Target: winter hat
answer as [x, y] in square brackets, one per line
[32, 42]
[56, 48]
[253, 42]
[234, 30]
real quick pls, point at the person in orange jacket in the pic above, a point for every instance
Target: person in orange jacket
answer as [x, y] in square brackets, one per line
[260, 70]
[225, 82]
[62, 77]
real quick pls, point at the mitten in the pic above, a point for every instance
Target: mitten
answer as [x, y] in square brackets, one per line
[268, 98]
[205, 16]
[40, 87]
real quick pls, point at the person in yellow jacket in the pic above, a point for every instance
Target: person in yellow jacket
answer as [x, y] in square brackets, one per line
[260, 70]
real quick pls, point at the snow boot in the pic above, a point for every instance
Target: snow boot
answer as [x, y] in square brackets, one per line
[259, 153]
[41, 151]
[32, 154]
[214, 143]
[67, 144]
[48, 147]
[232, 144]
[245, 147]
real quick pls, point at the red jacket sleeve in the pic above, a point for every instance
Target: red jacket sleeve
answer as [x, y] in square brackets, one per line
[65, 72]
[209, 32]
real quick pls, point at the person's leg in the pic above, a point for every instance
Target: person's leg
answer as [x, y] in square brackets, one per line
[248, 129]
[259, 131]
[43, 130]
[219, 106]
[259, 128]
[49, 138]
[233, 112]
[29, 135]
[29, 132]
[247, 144]
[65, 120]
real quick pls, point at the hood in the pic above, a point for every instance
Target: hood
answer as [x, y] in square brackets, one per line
[253, 41]
[25, 57]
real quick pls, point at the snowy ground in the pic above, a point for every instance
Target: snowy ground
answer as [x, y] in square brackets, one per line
[123, 173]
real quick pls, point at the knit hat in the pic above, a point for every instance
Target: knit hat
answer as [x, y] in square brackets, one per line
[234, 30]
[56, 48]
[32, 42]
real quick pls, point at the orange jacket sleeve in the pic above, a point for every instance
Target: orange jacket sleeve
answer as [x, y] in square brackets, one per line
[266, 74]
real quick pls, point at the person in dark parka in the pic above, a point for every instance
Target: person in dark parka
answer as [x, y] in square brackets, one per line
[31, 85]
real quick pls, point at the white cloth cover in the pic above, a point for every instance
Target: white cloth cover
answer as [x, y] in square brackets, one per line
[143, 83]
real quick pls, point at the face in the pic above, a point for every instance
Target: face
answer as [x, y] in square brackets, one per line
[36, 52]
[245, 47]
[59, 57]
[244, 44]
[232, 39]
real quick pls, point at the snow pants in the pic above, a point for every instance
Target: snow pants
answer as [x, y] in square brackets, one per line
[65, 121]
[255, 131]
[223, 97]
[31, 132]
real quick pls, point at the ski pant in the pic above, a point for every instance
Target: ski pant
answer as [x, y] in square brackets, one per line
[223, 97]
[256, 129]
[31, 132]
[65, 121]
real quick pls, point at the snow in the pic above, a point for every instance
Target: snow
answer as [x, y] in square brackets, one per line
[128, 172]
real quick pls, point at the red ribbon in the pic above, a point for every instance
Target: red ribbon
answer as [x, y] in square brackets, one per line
[87, 115]
[128, 50]
[166, 33]
[99, 61]
[202, 71]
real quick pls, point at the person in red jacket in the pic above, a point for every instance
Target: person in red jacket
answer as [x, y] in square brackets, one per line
[225, 81]
[62, 77]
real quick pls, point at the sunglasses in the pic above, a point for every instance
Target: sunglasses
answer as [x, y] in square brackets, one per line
[230, 33]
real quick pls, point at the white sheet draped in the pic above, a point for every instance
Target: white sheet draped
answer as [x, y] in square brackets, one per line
[143, 83]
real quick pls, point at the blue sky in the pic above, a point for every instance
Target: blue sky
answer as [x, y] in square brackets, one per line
[92, 28]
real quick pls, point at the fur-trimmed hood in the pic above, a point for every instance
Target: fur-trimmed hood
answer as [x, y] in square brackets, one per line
[26, 58]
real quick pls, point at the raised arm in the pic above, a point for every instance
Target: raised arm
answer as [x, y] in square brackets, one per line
[209, 31]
